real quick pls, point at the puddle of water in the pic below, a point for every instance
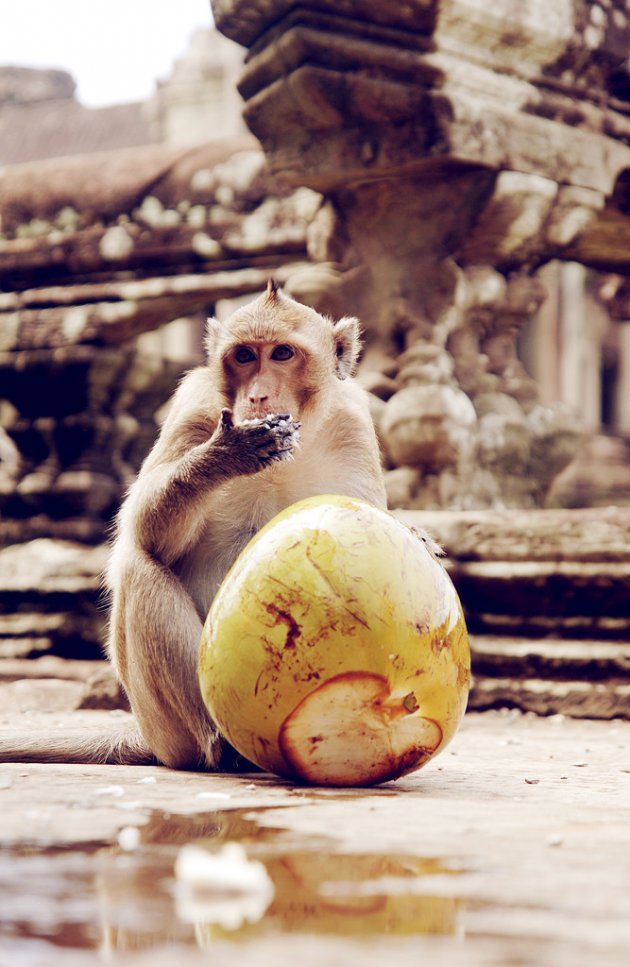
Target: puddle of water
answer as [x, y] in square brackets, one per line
[116, 900]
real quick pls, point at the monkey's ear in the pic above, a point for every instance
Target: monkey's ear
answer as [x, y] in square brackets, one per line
[347, 333]
[213, 328]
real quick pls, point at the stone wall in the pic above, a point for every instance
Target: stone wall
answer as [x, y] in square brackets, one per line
[94, 252]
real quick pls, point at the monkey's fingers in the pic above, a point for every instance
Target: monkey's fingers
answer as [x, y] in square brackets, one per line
[287, 435]
[435, 549]
[288, 428]
[277, 444]
[276, 456]
[273, 444]
[260, 433]
[225, 421]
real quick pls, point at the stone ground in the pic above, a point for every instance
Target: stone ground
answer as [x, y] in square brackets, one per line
[510, 848]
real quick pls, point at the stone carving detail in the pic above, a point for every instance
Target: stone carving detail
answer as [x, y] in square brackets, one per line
[459, 146]
[462, 425]
[94, 252]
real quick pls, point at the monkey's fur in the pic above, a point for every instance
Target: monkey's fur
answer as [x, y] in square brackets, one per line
[273, 417]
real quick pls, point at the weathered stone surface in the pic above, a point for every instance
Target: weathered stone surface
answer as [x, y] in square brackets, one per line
[503, 441]
[460, 328]
[550, 658]
[53, 684]
[23, 85]
[546, 572]
[377, 383]
[21, 530]
[41, 695]
[402, 486]
[100, 187]
[429, 426]
[511, 847]
[180, 212]
[51, 667]
[501, 110]
[579, 699]
[47, 566]
[51, 599]
[113, 312]
[582, 678]
[599, 476]
[546, 597]
[425, 364]
[596, 535]
[76, 442]
[458, 147]
[104, 691]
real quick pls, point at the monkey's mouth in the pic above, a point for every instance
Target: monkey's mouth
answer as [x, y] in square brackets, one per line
[261, 413]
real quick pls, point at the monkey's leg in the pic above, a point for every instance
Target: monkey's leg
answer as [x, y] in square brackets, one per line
[155, 644]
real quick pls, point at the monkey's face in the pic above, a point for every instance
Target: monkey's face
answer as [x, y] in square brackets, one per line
[277, 356]
[265, 377]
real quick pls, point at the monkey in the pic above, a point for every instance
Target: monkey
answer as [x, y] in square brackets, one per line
[273, 416]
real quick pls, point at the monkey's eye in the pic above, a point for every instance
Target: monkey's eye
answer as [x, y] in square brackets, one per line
[282, 353]
[244, 355]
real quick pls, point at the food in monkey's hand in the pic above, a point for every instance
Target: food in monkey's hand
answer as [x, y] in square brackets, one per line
[254, 444]
[336, 650]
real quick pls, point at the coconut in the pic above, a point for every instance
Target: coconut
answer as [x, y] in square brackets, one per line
[335, 651]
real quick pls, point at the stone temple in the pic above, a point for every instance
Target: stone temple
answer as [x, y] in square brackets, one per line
[456, 174]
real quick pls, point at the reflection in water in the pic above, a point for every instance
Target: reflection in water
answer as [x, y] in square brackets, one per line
[129, 900]
[222, 887]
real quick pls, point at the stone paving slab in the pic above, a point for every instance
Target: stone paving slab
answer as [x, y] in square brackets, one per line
[516, 839]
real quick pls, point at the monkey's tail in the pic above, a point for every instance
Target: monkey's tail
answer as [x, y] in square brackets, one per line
[121, 746]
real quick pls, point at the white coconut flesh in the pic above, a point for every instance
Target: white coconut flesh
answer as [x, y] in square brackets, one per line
[353, 730]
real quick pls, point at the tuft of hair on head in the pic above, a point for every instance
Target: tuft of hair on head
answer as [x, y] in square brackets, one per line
[272, 290]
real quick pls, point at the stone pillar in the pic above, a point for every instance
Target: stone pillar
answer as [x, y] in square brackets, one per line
[623, 387]
[458, 146]
[615, 294]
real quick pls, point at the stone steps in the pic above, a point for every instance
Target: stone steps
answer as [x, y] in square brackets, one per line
[563, 573]
[51, 599]
[537, 597]
[547, 601]
[586, 679]
[53, 684]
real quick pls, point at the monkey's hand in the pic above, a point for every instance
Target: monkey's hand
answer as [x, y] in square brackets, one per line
[432, 546]
[252, 445]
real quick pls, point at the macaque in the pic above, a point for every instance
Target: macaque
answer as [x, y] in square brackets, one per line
[270, 419]
[273, 417]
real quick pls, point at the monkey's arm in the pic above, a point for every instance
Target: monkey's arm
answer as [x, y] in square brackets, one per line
[167, 503]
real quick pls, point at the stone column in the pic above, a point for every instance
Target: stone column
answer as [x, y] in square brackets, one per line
[458, 147]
